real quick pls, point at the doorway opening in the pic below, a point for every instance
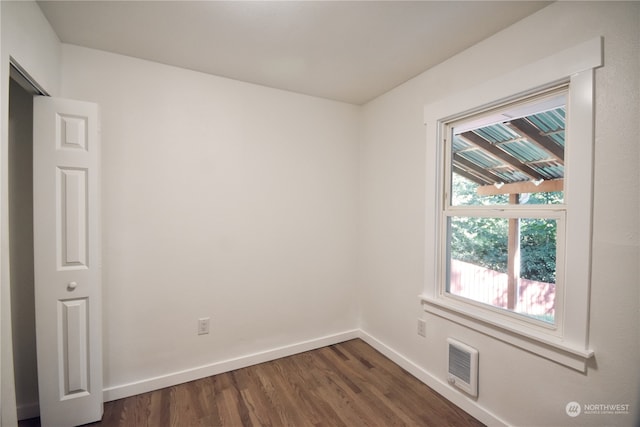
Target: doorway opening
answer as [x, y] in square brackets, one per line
[20, 195]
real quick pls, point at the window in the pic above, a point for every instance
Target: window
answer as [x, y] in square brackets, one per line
[509, 212]
[504, 206]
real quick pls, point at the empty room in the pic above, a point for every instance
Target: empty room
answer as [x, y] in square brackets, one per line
[336, 213]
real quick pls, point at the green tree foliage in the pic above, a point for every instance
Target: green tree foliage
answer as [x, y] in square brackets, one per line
[483, 241]
[538, 250]
[480, 241]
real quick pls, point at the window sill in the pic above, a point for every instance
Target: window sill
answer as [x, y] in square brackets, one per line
[551, 348]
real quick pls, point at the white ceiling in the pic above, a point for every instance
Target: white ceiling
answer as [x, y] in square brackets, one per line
[349, 51]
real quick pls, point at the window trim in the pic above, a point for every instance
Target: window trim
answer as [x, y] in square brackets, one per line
[569, 345]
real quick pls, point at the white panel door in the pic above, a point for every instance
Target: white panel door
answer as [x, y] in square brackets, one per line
[66, 193]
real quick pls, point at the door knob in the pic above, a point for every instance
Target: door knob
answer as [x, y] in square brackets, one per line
[71, 286]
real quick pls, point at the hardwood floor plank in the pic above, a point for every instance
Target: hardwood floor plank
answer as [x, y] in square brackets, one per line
[406, 395]
[353, 389]
[142, 409]
[344, 385]
[253, 405]
[323, 412]
[388, 414]
[303, 398]
[227, 402]
[212, 394]
[284, 397]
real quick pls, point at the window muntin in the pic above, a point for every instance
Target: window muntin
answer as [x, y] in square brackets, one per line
[504, 204]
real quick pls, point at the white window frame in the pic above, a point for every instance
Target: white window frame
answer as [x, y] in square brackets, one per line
[555, 212]
[567, 341]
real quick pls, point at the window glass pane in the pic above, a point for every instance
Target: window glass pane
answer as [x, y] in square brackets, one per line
[520, 277]
[517, 149]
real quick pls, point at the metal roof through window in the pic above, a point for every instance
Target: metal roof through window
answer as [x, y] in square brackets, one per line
[523, 149]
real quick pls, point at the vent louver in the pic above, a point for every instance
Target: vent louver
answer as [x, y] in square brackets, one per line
[463, 367]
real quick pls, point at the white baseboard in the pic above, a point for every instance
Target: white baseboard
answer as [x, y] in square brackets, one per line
[28, 410]
[174, 378]
[454, 396]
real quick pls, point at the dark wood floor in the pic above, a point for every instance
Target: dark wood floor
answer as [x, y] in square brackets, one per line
[348, 384]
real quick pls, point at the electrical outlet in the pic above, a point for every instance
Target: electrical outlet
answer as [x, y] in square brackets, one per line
[203, 326]
[422, 328]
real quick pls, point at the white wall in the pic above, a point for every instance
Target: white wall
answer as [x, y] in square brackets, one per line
[28, 38]
[221, 199]
[515, 386]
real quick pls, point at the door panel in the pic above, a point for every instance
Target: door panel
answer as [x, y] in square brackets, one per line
[67, 261]
[74, 344]
[73, 217]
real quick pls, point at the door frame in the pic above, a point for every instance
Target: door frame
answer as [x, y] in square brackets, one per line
[24, 79]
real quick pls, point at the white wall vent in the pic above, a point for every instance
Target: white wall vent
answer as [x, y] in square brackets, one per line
[463, 367]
